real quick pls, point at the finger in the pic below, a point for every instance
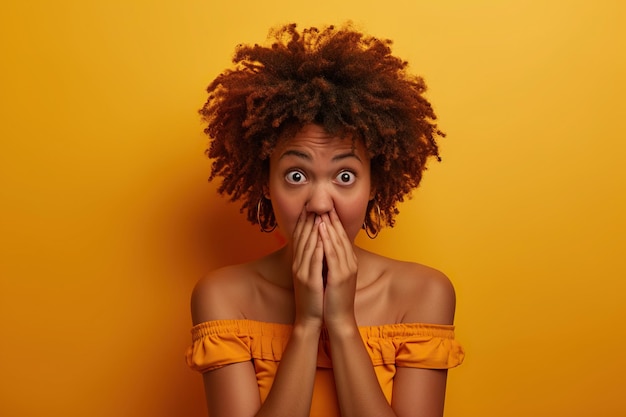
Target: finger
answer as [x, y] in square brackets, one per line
[340, 254]
[297, 231]
[311, 242]
[305, 257]
[341, 235]
[303, 231]
[333, 258]
[333, 230]
[338, 226]
[317, 260]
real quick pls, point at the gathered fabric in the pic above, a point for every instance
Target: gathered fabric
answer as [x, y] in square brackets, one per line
[219, 343]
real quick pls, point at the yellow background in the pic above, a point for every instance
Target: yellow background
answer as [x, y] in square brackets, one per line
[108, 220]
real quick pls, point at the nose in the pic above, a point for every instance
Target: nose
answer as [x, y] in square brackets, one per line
[320, 200]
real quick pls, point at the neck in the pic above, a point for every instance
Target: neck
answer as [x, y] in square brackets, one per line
[281, 263]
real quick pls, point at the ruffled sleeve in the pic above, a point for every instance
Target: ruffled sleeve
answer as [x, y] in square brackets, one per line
[413, 345]
[223, 342]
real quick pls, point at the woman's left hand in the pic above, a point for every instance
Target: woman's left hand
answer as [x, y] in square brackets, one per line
[342, 272]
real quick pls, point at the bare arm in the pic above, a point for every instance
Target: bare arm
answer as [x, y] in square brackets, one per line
[421, 392]
[417, 392]
[232, 391]
[358, 389]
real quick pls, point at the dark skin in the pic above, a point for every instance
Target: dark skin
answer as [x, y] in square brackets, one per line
[320, 193]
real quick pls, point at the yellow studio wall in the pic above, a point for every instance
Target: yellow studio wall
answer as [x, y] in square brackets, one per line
[107, 219]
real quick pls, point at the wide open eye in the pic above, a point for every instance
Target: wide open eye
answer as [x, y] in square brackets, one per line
[346, 178]
[295, 177]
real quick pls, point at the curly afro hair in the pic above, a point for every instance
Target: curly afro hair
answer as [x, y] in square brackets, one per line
[338, 78]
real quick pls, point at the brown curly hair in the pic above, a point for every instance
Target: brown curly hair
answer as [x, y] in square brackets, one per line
[338, 78]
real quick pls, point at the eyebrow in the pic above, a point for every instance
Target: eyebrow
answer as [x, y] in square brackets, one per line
[306, 156]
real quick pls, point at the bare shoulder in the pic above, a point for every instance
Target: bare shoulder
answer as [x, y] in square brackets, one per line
[218, 295]
[426, 294]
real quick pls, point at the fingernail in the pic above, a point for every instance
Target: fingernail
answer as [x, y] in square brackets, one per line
[318, 219]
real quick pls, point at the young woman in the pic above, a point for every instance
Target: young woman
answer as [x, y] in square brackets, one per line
[320, 135]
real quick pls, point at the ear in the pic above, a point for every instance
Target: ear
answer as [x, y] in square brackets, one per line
[372, 193]
[266, 192]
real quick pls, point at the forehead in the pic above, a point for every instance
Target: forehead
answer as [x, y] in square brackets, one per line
[316, 138]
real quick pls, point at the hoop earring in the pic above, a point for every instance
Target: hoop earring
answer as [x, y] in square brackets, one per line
[367, 232]
[258, 218]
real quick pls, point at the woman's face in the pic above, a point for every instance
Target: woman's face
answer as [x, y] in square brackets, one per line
[319, 172]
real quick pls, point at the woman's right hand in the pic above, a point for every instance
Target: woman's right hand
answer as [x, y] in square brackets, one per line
[308, 258]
